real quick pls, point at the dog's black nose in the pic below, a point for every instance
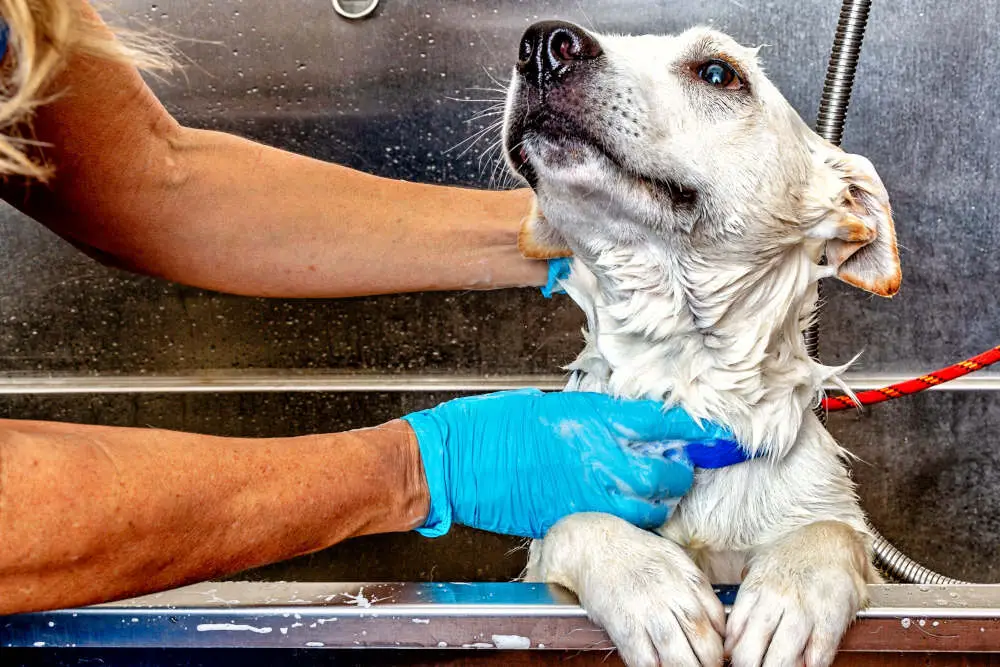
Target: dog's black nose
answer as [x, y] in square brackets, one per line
[550, 49]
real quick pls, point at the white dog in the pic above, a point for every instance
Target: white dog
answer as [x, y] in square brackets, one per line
[697, 205]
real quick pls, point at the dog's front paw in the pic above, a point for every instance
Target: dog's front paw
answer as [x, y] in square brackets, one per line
[654, 603]
[799, 597]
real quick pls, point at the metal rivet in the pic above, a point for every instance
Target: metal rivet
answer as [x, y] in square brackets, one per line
[368, 9]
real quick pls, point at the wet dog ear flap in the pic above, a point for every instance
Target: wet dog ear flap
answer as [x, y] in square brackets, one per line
[537, 239]
[849, 208]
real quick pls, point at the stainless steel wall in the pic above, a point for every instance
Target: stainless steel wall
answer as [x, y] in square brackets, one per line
[382, 95]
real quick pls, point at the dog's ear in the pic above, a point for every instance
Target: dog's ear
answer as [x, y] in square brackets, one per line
[537, 239]
[848, 206]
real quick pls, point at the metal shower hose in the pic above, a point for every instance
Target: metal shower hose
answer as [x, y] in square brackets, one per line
[830, 125]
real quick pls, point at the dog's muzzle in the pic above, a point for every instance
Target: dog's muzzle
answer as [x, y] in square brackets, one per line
[552, 57]
[551, 50]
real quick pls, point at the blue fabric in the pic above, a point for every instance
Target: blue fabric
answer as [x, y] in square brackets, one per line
[558, 270]
[4, 34]
[516, 462]
[716, 453]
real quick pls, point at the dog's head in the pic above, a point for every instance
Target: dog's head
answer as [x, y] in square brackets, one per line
[681, 143]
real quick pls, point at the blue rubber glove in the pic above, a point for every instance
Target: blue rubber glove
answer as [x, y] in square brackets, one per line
[558, 270]
[516, 462]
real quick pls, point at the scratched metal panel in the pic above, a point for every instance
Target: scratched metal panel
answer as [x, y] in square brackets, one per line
[929, 486]
[377, 95]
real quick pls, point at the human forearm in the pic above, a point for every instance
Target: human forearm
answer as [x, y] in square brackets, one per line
[221, 212]
[96, 513]
[256, 220]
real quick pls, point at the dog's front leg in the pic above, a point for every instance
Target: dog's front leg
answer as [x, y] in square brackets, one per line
[654, 603]
[799, 596]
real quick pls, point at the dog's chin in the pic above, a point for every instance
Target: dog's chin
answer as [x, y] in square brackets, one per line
[555, 156]
[560, 161]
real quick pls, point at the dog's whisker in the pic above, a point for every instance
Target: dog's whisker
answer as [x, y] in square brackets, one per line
[465, 151]
[590, 21]
[502, 86]
[521, 546]
[475, 100]
[507, 181]
[488, 89]
[492, 117]
[501, 177]
[472, 145]
[484, 114]
[497, 172]
[471, 141]
[484, 167]
[495, 125]
[489, 149]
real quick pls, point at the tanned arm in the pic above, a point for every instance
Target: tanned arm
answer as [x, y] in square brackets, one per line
[139, 191]
[90, 514]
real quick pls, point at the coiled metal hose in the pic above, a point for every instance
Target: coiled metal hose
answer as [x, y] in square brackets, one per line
[830, 125]
[840, 72]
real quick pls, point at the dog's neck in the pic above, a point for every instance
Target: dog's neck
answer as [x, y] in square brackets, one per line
[723, 342]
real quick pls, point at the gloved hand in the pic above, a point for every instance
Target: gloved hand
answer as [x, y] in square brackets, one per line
[516, 462]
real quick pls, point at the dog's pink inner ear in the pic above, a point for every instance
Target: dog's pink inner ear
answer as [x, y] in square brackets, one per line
[862, 241]
[537, 239]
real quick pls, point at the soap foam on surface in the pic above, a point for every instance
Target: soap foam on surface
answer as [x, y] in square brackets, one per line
[232, 627]
[511, 642]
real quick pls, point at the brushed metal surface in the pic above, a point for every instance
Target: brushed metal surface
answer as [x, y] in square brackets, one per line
[214, 657]
[506, 616]
[457, 616]
[379, 95]
[299, 381]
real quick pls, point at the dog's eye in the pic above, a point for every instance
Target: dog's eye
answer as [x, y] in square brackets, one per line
[720, 74]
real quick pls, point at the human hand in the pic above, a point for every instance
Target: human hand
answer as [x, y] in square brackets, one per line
[516, 462]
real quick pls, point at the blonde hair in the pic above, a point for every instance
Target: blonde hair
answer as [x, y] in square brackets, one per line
[42, 37]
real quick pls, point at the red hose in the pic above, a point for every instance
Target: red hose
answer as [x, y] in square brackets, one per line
[834, 403]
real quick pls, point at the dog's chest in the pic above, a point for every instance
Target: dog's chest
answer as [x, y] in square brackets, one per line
[730, 511]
